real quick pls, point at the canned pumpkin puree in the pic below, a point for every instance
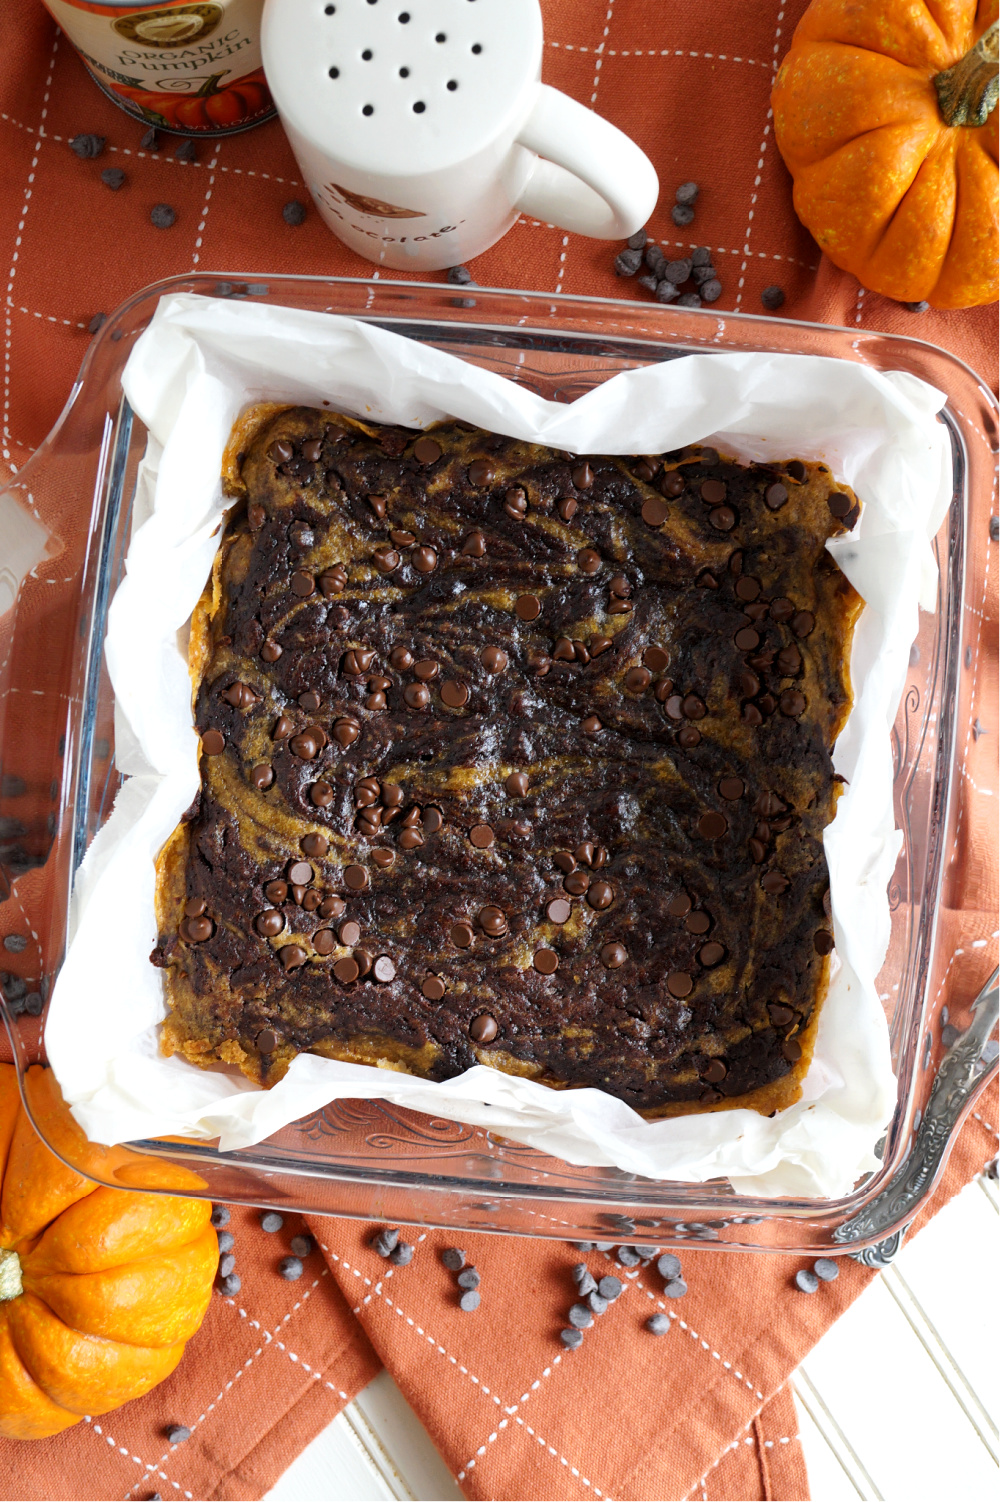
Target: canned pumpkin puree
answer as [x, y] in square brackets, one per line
[190, 68]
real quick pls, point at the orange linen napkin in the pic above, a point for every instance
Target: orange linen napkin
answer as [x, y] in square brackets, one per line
[702, 1411]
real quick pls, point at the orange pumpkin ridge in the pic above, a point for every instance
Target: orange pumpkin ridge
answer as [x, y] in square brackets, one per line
[885, 115]
[100, 1288]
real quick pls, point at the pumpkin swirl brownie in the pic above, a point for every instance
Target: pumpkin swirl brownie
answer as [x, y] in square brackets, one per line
[514, 757]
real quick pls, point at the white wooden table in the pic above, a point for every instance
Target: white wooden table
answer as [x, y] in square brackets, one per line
[899, 1400]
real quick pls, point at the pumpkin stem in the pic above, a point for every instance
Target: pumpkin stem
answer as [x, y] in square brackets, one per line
[10, 1276]
[210, 86]
[968, 90]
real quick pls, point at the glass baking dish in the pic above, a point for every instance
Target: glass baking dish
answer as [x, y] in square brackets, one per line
[71, 506]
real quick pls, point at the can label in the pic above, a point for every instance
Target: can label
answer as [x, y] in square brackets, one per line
[192, 68]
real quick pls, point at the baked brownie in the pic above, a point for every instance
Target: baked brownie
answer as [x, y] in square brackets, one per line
[514, 757]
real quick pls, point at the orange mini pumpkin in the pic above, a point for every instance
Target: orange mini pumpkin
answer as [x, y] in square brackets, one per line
[99, 1288]
[884, 111]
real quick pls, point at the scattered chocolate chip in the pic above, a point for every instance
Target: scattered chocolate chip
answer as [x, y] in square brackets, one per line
[527, 607]
[694, 708]
[315, 844]
[324, 941]
[385, 1241]
[87, 146]
[747, 639]
[775, 496]
[803, 623]
[823, 941]
[613, 956]
[517, 784]
[658, 1324]
[572, 1338]
[698, 922]
[545, 961]
[213, 743]
[679, 984]
[591, 724]
[610, 1287]
[474, 545]
[462, 935]
[775, 882]
[483, 1029]
[711, 954]
[582, 476]
[723, 518]
[480, 473]
[654, 512]
[628, 261]
[637, 680]
[162, 216]
[433, 988]
[417, 695]
[292, 956]
[772, 297]
[384, 970]
[113, 178]
[493, 659]
[270, 924]
[453, 1259]
[713, 492]
[178, 1433]
[558, 910]
[792, 1050]
[290, 1268]
[826, 1269]
[712, 825]
[469, 1278]
[805, 1281]
[355, 877]
[600, 895]
[433, 819]
[386, 560]
[262, 776]
[230, 1286]
[676, 1288]
[588, 560]
[711, 290]
[271, 1221]
[347, 970]
[792, 703]
[482, 836]
[689, 737]
[221, 1215]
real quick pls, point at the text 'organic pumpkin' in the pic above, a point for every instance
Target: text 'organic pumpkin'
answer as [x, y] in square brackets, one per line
[885, 113]
[99, 1288]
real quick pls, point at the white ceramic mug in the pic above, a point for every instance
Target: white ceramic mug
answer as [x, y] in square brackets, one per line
[423, 130]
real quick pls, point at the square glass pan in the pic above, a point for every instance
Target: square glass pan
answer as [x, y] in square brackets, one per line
[372, 1159]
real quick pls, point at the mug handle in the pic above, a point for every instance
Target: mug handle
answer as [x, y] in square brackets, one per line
[589, 177]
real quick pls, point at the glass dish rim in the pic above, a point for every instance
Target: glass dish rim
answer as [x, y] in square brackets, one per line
[196, 281]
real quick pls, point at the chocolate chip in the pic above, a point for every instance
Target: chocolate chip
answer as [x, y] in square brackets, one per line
[823, 941]
[805, 1281]
[332, 581]
[747, 639]
[270, 924]
[230, 1286]
[675, 1289]
[723, 518]
[349, 933]
[613, 956]
[315, 845]
[826, 1269]
[86, 147]
[324, 941]
[803, 623]
[628, 261]
[197, 930]
[302, 584]
[588, 560]
[517, 784]
[113, 178]
[591, 724]
[839, 504]
[573, 1339]
[355, 877]
[582, 476]
[480, 473]
[433, 819]
[383, 969]
[775, 496]
[331, 906]
[637, 680]
[290, 1268]
[688, 737]
[780, 1015]
[712, 826]
[493, 659]
[195, 907]
[775, 882]
[347, 970]
[658, 1324]
[698, 922]
[610, 1287]
[713, 492]
[424, 560]
[654, 511]
[792, 1050]
[385, 1241]
[292, 956]
[600, 895]
[483, 1029]
[758, 850]
[213, 743]
[220, 1216]
[469, 1278]
[693, 707]
[711, 954]
[474, 545]
[772, 297]
[386, 560]
[97, 323]
[527, 607]
[796, 469]
[792, 703]
[545, 961]
[310, 700]
[177, 1433]
[558, 910]
[453, 1259]
[711, 289]
[262, 776]
[679, 984]
[271, 1221]
[462, 935]
[482, 836]
[433, 988]
[789, 662]
[417, 695]
[427, 451]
